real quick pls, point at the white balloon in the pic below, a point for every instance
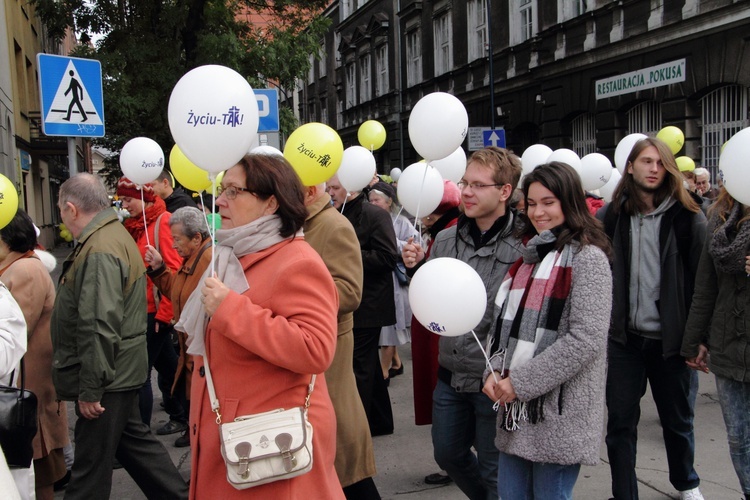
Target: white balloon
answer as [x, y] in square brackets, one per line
[213, 117]
[420, 189]
[622, 151]
[453, 166]
[534, 156]
[357, 168]
[265, 149]
[608, 189]
[568, 156]
[596, 169]
[447, 297]
[437, 125]
[733, 166]
[395, 174]
[141, 160]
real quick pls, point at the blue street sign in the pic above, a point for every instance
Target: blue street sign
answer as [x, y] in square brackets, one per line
[70, 89]
[494, 138]
[268, 109]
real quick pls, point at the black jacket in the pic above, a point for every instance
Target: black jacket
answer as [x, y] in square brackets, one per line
[178, 199]
[681, 237]
[377, 240]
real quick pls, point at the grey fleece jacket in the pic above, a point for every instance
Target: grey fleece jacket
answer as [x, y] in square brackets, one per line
[575, 365]
[645, 271]
[462, 355]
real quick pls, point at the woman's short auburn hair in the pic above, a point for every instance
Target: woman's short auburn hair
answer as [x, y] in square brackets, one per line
[272, 175]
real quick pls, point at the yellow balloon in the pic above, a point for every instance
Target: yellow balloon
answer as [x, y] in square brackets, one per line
[314, 150]
[371, 135]
[218, 183]
[8, 201]
[186, 172]
[685, 164]
[672, 137]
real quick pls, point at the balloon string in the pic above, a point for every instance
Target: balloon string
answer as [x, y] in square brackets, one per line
[343, 205]
[421, 190]
[143, 212]
[487, 359]
[205, 215]
[212, 230]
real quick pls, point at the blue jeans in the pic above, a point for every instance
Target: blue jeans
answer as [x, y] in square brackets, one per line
[734, 397]
[521, 479]
[631, 366]
[461, 420]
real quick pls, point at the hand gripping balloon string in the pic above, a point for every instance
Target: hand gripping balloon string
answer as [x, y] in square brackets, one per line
[495, 406]
[143, 212]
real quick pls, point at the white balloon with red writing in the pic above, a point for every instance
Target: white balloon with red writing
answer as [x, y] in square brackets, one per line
[437, 125]
[213, 117]
[141, 160]
[447, 297]
[596, 169]
[734, 168]
[420, 189]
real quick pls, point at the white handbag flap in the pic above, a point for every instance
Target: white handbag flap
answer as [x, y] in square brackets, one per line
[262, 433]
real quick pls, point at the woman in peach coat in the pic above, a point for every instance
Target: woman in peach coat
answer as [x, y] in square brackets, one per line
[272, 308]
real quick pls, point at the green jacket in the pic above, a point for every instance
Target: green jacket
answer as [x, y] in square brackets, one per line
[99, 321]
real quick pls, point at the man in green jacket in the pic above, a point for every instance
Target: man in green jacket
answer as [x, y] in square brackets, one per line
[99, 343]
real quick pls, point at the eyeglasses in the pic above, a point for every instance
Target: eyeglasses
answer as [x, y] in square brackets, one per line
[231, 192]
[474, 185]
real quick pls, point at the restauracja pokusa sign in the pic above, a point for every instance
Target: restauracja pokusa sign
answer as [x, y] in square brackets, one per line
[642, 79]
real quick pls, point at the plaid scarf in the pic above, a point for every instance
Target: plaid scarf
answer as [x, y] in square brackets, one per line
[531, 299]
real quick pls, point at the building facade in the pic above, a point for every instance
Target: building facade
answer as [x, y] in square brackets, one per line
[579, 74]
[37, 164]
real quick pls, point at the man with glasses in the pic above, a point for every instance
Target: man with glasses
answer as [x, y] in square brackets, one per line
[462, 416]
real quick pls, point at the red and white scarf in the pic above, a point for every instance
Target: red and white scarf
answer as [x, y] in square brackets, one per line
[531, 300]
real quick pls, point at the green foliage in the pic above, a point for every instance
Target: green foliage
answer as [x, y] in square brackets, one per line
[146, 46]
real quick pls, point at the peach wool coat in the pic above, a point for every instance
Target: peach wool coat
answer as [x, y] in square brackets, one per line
[263, 345]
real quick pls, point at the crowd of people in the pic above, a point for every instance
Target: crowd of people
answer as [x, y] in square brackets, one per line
[302, 287]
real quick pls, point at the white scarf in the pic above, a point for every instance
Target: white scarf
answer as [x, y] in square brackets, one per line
[231, 244]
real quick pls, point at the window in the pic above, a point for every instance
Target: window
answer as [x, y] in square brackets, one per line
[441, 27]
[323, 112]
[523, 17]
[365, 89]
[476, 11]
[584, 134]
[724, 113]
[413, 58]
[351, 85]
[322, 69]
[569, 9]
[381, 66]
[311, 71]
[645, 118]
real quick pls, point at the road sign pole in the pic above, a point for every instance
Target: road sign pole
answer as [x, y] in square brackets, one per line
[72, 157]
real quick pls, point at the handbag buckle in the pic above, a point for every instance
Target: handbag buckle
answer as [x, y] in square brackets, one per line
[243, 454]
[284, 442]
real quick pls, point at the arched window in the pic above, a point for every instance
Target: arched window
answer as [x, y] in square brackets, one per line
[644, 118]
[583, 134]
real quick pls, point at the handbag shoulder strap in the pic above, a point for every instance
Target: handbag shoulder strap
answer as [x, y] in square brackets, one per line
[23, 377]
[215, 401]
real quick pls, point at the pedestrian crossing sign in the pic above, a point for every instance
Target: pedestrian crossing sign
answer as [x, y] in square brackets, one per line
[70, 89]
